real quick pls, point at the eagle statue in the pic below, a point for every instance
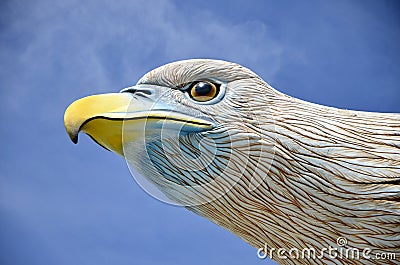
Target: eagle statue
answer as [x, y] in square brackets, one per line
[278, 172]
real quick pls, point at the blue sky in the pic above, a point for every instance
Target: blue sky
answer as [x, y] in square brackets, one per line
[67, 204]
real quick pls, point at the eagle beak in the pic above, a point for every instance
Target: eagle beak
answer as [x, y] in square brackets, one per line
[93, 115]
[110, 118]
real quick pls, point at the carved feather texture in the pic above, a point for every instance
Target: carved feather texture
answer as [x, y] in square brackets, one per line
[320, 173]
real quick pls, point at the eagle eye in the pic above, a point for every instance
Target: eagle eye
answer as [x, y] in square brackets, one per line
[203, 91]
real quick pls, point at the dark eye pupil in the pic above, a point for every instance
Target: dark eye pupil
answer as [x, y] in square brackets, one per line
[203, 88]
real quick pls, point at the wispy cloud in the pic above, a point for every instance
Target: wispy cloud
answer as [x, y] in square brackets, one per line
[69, 49]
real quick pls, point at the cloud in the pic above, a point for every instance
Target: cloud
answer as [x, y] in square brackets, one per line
[66, 50]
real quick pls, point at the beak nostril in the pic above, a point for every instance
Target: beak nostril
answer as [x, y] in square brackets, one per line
[147, 92]
[129, 90]
[138, 91]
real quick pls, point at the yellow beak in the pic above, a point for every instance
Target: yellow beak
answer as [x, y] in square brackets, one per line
[104, 117]
[90, 115]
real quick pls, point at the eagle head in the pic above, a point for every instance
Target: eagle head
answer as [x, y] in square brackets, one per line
[192, 128]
